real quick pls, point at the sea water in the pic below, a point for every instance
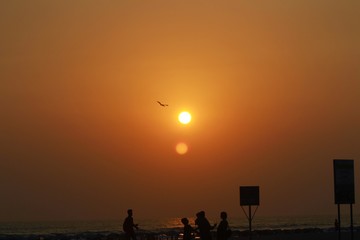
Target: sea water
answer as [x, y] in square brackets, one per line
[168, 226]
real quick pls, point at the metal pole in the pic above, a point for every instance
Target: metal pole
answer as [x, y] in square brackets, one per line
[250, 218]
[351, 222]
[339, 222]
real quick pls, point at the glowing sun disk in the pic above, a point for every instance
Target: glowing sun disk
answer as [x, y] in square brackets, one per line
[184, 117]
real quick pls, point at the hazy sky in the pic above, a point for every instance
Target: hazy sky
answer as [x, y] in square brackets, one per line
[273, 88]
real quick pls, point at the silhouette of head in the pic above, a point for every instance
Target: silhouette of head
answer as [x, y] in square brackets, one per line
[185, 221]
[130, 212]
[223, 215]
[201, 214]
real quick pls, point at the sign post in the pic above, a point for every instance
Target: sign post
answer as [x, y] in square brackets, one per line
[249, 196]
[344, 189]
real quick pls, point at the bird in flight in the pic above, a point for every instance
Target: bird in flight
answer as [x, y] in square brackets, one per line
[162, 104]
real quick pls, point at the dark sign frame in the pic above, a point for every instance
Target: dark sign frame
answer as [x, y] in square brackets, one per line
[249, 196]
[344, 184]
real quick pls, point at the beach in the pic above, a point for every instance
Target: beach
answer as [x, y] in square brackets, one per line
[299, 234]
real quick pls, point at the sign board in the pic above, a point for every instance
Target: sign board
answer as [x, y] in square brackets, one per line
[344, 181]
[249, 195]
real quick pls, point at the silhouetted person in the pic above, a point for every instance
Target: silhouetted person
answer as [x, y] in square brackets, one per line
[128, 226]
[204, 226]
[223, 230]
[188, 230]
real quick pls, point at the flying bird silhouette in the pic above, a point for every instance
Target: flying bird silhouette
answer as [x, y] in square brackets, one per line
[162, 104]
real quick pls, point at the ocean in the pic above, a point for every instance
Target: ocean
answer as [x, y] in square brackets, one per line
[169, 227]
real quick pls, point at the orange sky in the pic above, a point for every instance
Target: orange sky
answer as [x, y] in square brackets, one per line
[273, 88]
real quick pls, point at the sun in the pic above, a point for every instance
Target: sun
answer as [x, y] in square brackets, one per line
[184, 117]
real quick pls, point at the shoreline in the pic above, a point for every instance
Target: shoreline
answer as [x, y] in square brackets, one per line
[270, 234]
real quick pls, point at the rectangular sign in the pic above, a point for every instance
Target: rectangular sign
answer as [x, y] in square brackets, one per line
[344, 186]
[249, 195]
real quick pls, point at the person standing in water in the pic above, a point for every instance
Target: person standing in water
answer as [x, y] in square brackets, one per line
[128, 226]
[188, 230]
[204, 226]
[223, 232]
